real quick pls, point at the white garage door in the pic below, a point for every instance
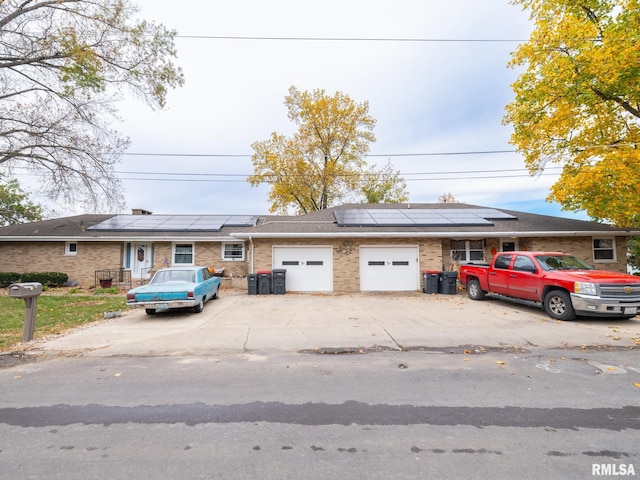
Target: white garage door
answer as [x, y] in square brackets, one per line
[309, 269]
[389, 269]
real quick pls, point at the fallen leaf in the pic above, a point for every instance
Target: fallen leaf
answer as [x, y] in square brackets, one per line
[500, 362]
[636, 384]
[18, 377]
[118, 375]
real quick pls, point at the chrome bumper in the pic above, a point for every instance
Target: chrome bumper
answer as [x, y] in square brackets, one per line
[163, 305]
[589, 305]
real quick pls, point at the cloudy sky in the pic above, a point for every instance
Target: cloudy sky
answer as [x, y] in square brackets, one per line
[434, 73]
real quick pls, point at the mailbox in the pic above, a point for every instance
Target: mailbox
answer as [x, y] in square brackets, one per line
[25, 290]
[30, 292]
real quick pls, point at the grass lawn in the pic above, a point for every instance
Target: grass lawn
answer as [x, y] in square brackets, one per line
[57, 312]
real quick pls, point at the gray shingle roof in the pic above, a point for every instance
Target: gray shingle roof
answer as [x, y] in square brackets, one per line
[321, 224]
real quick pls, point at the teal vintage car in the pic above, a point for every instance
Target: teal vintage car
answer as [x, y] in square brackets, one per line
[175, 287]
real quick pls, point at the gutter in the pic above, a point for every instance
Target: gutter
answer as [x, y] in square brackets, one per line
[450, 234]
[128, 238]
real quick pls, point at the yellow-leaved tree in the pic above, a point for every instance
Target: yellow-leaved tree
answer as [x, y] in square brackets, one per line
[322, 163]
[577, 104]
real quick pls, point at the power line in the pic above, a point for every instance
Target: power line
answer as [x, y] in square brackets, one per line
[201, 174]
[376, 155]
[354, 39]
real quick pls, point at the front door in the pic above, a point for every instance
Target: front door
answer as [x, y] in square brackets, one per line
[141, 260]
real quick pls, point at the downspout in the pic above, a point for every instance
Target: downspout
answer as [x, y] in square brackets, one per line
[251, 242]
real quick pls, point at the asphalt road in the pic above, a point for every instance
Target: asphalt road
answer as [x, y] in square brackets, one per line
[362, 386]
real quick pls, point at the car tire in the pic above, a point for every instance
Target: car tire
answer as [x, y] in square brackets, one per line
[215, 294]
[474, 291]
[200, 306]
[557, 304]
[150, 311]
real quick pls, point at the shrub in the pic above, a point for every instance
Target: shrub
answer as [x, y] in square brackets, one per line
[48, 279]
[7, 278]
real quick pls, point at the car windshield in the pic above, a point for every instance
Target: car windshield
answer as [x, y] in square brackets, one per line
[164, 276]
[562, 262]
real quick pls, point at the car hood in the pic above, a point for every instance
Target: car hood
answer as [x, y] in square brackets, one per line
[597, 276]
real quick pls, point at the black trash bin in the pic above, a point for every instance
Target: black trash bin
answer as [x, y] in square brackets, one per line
[431, 279]
[279, 281]
[448, 283]
[252, 283]
[264, 282]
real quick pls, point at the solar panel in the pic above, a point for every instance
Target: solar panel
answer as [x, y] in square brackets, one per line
[174, 222]
[418, 217]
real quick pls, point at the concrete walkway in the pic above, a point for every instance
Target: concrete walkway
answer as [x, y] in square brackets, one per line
[237, 322]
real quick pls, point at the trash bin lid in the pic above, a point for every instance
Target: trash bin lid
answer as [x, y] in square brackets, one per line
[264, 272]
[435, 272]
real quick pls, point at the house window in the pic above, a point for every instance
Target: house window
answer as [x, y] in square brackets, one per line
[604, 250]
[465, 251]
[183, 254]
[71, 249]
[233, 251]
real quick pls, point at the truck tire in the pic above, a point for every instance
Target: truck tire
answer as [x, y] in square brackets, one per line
[474, 291]
[557, 304]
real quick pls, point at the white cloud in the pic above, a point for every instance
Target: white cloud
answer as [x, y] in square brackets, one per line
[427, 96]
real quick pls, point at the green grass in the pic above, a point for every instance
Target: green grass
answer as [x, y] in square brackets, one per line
[55, 314]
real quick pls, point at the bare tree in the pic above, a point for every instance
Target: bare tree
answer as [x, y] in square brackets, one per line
[63, 64]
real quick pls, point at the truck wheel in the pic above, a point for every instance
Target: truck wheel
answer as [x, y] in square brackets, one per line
[200, 306]
[557, 304]
[474, 291]
[150, 311]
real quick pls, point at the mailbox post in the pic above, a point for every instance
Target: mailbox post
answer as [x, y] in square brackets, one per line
[30, 292]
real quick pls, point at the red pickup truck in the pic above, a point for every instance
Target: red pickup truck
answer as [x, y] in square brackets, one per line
[565, 285]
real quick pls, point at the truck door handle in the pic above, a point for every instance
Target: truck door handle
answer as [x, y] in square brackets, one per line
[492, 273]
[513, 275]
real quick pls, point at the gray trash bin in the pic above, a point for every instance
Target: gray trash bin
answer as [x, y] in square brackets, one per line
[252, 283]
[264, 282]
[431, 279]
[279, 281]
[448, 283]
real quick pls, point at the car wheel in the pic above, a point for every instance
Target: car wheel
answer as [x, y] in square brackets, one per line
[557, 304]
[215, 294]
[474, 291]
[150, 311]
[200, 306]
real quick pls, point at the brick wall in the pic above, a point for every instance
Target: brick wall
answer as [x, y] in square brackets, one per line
[582, 247]
[50, 257]
[346, 256]
[207, 254]
[91, 256]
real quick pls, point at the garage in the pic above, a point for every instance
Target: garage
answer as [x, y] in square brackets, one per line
[389, 269]
[309, 269]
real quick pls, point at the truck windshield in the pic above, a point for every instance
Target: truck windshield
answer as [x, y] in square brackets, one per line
[561, 262]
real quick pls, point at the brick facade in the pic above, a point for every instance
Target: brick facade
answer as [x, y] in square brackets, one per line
[434, 254]
[346, 256]
[22, 257]
[50, 257]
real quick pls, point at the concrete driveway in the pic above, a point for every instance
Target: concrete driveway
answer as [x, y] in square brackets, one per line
[237, 322]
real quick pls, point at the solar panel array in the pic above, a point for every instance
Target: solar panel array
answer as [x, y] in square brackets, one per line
[418, 217]
[174, 223]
